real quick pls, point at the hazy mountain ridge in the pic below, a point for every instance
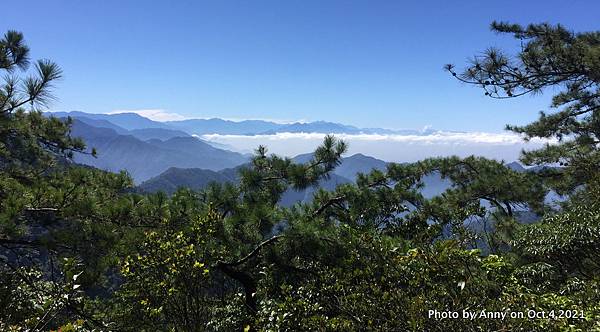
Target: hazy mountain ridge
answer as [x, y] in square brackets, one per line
[145, 159]
[315, 127]
[224, 127]
[157, 133]
[127, 121]
[134, 121]
[141, 133]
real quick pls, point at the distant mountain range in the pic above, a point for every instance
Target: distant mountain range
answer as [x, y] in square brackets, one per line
[127, 121]
[260, 127]
[145, 153]
[133, 121]
[224, 127]
[165, 156]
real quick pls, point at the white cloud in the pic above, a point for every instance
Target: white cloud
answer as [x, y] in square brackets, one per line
[154, 114]
[399, 148]
[439, 137]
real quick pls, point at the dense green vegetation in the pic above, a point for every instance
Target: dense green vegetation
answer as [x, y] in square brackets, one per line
[79, 250]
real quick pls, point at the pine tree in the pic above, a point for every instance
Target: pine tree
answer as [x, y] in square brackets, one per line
[551, 57]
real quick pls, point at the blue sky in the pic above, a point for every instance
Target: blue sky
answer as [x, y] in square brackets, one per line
[365, 63]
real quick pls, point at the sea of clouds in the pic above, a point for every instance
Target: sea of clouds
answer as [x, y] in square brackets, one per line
[398, 148]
